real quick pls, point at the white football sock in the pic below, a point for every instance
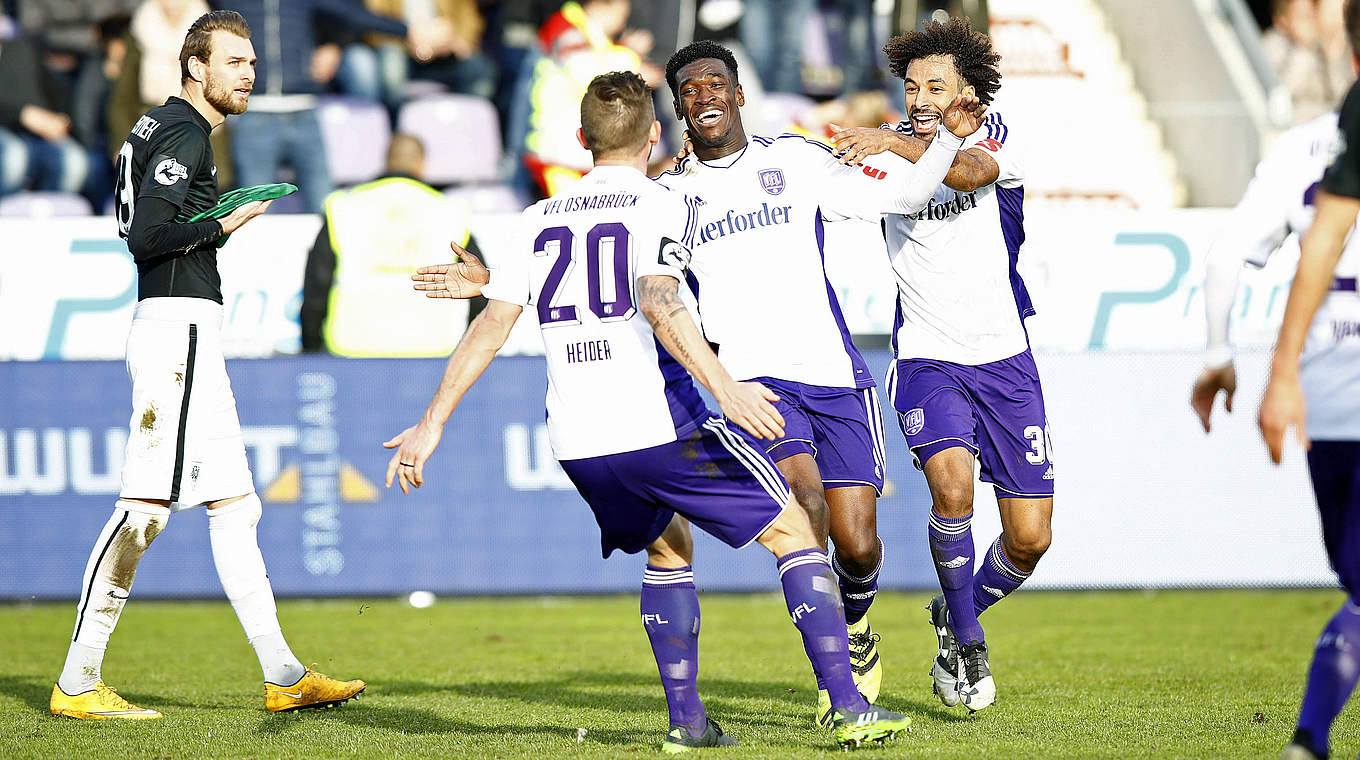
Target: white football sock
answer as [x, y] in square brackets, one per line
[105, 587]
[240, 567]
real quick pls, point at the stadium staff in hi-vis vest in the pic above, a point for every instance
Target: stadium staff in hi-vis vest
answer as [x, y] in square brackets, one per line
[373, 237]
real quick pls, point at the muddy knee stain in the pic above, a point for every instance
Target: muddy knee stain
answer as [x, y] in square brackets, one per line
[148, 418]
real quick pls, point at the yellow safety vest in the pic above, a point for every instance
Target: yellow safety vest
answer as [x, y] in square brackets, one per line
[381, 233]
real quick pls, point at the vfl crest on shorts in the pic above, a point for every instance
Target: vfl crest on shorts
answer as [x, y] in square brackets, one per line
[914, 420]
[772, 180]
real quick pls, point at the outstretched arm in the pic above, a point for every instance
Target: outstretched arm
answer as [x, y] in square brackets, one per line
[747, 404]
[970, 170]
[1283, 405]
[474, 353]
[461, 279]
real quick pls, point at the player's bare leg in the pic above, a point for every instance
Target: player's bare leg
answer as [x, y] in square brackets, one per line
[240, 566]
[949, 474]
[805, 481]
[856, 561]
[814, 603]
[670, 614]
[80, 691]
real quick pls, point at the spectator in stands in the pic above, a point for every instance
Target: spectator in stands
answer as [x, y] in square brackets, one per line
[577, 44]
[1336, 48]
[772, 33]
[36, 148]
[69, 33]
[379, 67]
[1293, 44]
[149, 74]
[281, 125]
[358, 272]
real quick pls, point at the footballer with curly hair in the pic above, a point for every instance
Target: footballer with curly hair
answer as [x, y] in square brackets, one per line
[762, 289]
[964, 382]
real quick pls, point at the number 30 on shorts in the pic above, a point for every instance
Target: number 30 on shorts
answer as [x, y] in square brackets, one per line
[1040, 444]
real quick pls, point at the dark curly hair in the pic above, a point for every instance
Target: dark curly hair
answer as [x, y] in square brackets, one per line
[974, 58]
[694, 52]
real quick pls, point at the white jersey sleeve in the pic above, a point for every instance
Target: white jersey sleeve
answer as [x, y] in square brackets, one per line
[510, 271]
[672, 257]
[886, 184]
[995, 139]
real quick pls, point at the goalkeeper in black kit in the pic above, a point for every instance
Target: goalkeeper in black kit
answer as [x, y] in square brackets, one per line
[184, 445]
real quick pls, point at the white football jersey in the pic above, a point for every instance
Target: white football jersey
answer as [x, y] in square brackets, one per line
[758, 263]
[1279, 203]
[959, 296]
[611, 386]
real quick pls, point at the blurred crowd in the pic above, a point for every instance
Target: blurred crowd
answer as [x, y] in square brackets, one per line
[1306, 44]
[78, 73]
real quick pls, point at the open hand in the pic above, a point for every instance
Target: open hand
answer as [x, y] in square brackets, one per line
[462, 279]
[242, 214]
[751, 406]
[964, 116]
[1207, 385]
[855, 144]
[1282, 408]
[414, 446]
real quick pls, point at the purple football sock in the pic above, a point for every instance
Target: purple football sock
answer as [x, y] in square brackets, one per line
[814, 603]
[995, 579]
[951, 546]
[857, 593]
[1332, 677]
[670, 613]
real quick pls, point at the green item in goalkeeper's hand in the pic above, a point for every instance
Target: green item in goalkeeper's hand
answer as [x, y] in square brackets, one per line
[238, 198]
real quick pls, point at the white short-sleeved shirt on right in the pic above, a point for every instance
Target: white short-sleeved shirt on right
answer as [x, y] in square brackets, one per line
[1279, 203]
[960, 298]
[611, 386]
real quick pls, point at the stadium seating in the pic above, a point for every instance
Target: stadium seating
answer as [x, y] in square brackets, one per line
[44, 205]
[462, 137]
[355, 132]
[780, 110]
[1065, 79]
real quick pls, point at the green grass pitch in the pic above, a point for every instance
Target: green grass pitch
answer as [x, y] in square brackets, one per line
[1079, 675]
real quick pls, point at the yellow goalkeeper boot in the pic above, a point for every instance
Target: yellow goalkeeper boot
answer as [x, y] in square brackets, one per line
[864, 665]
[99, 703]
[312, 690]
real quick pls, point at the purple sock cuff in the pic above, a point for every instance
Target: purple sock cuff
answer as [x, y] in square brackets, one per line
[950, 528]
[663, 577]
[997, 558]
[801, 557]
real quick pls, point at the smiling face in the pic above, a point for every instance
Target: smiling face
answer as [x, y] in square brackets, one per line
[229, 74]
[932, 83]
[708, 102]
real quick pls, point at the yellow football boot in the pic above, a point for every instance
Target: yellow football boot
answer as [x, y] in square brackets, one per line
[312, 690]
[864, 665]
[99, 703]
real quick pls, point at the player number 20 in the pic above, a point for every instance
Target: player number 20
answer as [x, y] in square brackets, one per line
[1040, 444]
[606, 243]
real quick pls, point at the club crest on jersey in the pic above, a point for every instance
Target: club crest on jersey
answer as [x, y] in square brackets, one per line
[914, 421]
[170, 171]
[772, 180]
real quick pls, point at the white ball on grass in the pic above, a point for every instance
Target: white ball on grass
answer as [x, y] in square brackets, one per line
[421, 599]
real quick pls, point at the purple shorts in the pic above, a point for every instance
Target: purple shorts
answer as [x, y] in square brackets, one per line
[1335, 470]
[714, 476]
[841, 428]
[996, 410]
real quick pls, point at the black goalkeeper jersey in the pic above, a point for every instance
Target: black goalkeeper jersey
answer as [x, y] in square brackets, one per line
[1343, 176]
[166, 173]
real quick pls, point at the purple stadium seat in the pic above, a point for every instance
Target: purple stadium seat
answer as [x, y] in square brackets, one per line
[462, 137]
[44, 205]
[780, 110]
[489, 199]
[356, 133]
